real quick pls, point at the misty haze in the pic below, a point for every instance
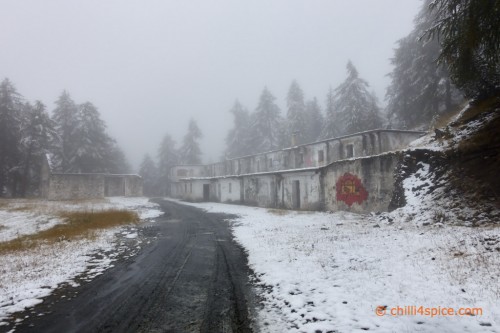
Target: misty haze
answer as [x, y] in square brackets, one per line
[262, 166]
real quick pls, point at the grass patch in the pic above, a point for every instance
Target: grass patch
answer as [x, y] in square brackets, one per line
[78, 225]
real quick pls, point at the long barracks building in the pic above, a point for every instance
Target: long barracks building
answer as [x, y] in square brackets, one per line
[353, 172]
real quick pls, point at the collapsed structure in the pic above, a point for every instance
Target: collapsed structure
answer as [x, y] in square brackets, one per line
[75, 186]
[352, 172]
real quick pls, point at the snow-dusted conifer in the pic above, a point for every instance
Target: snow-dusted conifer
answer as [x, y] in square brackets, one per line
[38, 137]
[420, 88]
[238, 140]
[314, 121]
[190, 150]
[149, 173]
[65, 116]
[331, 123]
[356, 106]
[91, 141]
[267, 124]
[469, 38]
[10, 126]
[296, 118]
[168, 156]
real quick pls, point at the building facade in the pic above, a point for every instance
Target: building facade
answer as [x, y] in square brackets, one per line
[353, 172]
[76, 186]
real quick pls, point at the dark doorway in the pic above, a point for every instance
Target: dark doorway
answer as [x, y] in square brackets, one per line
[296, 194]
[206, 192]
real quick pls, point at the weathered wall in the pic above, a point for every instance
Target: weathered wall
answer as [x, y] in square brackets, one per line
[76, 186]
[44, 179]
[361, 185]
[395, 140]
[230, 189]
[133, 185]
[114, 186]
[259, 190]
[187, 171]
[305, 196]
[263, 181]
[192, 190]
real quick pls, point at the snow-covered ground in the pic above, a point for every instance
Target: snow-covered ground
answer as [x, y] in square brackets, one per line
[326, 272]
[28, 276]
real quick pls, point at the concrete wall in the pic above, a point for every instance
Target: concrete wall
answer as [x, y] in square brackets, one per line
[192, 190]
[259, 190]
[309, 155]
[58, 186]
[359, 185]
[300, 190]
[76, 186]
[187, 171]
[114, 186]
[230, 189]
[133, 186]
[374, 190]
[359, 163]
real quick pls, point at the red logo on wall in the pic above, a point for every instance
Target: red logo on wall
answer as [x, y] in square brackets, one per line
[350, 189]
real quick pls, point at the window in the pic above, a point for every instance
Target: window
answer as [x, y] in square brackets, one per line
[270, 162]
[190, 187]
[185, 187]
[321, 156]
[349, 151]
[285, 161]
[230, 187]
[181, 173]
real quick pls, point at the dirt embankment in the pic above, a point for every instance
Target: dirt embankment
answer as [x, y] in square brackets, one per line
[462, 178]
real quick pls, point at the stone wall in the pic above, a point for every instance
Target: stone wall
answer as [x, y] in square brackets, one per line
[75, 186]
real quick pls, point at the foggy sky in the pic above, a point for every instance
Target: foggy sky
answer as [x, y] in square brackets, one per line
[149, 66]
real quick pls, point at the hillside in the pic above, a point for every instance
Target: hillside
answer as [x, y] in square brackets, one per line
[450, 175]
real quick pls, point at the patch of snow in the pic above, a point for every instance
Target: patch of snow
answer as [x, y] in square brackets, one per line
[330, 271]
[29, 275]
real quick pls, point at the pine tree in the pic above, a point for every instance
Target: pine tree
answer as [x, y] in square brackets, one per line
[149, 174]
[116, 162]
[357, 107]
[238, 140]
[39, 137]
[314, 121]
[65, 116]
[296, 119]
[267, 124]
[168, 156]
[468, 33]
[420, 88]
[190, 150]
[10, 127]
[93, 144]
[331, 124]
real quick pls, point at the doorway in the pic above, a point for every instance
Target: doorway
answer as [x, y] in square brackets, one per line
[206, 192]
[296, 194]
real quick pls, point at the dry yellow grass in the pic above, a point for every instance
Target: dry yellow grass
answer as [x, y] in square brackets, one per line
[78, 224]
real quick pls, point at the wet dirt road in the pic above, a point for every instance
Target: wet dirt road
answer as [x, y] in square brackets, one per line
[191, 278]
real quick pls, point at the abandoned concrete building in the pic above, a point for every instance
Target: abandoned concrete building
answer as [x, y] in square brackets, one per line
[75, 186]
[353, 172]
